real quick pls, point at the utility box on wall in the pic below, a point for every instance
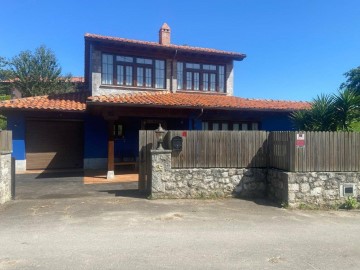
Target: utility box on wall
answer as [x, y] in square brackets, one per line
[348, 189]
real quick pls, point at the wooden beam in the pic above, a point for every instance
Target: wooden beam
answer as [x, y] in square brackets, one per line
[111, 152]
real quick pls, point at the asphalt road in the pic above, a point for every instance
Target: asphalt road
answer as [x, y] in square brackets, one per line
[132, 233]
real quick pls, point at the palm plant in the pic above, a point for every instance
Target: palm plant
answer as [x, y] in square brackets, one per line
[322, 114]
[320, 117]
[347, 109]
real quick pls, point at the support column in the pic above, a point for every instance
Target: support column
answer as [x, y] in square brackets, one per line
[111, 167]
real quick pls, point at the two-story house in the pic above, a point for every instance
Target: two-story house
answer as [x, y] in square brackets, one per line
[134, 85]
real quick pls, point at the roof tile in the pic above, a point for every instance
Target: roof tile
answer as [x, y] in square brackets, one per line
[235, 55]
[199, 100]
[59, 102]
[77, 101]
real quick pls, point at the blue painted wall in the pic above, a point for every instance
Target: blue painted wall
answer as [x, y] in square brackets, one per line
[276, 122]
[16, 123]
[95, 137]
[95, 130]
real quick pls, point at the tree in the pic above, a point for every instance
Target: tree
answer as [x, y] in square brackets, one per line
[330, 113]
[4, 72]
[38, 73]
[5, 76]
[333, 112]
[320, 117]
[352, 81]
[347, 109]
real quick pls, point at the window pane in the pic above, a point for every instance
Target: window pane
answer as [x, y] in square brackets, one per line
[188, 80]
[215, 126]
[244, 126]
[159, 74]
[221, 78]
[212, 82]
[107, 69]
[196, 80]
[148, 79]
[205, 81]
[192, 65]
[143, 61]
[180, 74]
[205, 126]
[120, 75]
[235, 126]
[140, 76]
[225, 126]
[129, 77]
[255, 126]
[124, 58]
[209, 67]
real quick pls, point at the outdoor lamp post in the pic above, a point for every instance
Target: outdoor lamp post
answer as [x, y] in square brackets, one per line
[160, 137]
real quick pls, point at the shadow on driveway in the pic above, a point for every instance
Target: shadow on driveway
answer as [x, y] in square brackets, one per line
[68, 184]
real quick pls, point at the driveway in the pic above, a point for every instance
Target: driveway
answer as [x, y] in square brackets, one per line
[118, 232]
[67, 184]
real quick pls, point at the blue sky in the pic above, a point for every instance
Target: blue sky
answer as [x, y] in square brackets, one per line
[295, 49]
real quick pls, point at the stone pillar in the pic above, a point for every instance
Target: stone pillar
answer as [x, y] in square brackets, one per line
[5, 177]
[160, 168]
[230, 79]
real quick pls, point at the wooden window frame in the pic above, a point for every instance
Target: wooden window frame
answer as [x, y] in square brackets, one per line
[231, 124]
[116, 131]
[201, 72]
[134, 66]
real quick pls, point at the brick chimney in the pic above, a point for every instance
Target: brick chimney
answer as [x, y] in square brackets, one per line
[164, 34]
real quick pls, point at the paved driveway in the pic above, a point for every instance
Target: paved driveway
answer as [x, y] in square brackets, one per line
[67, 184]
[119, 232]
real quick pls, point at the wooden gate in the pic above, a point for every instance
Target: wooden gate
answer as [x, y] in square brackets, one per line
[147, 142]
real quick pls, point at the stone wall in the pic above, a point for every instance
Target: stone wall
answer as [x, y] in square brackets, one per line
[5, 177]
[311, 188]
[277, 185]
[203, 183]
[294, 189]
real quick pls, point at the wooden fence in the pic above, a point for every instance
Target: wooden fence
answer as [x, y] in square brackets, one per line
[309, 152]
[205, 149]
[317, 151]
[5, 141]
[222, 149]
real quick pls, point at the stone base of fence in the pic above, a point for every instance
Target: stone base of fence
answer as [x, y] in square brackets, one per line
[203, 183]
[5, 177]
[293, 189]
[311, 188]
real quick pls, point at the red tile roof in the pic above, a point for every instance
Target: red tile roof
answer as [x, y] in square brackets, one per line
[58, 102]
[199, 100]
[234, 55]
[77, 79]
[78, 101]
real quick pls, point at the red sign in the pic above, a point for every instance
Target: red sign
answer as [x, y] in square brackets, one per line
[184, 134]
[300, 140]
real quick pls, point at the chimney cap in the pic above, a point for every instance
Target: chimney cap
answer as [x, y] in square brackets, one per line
[165, 26]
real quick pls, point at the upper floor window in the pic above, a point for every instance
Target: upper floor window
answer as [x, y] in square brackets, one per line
[132, 71]
[214, 125]
[203, 77]
[107, 69]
